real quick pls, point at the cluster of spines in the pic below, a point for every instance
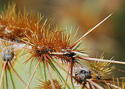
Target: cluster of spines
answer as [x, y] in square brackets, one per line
[47, 84]
[46, 40]
[8, 57]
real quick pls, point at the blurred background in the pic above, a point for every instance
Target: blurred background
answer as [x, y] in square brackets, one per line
[85, 14]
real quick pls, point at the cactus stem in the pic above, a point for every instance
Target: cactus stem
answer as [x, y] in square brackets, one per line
[16, 73]
[34, 72]
[59, 67]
